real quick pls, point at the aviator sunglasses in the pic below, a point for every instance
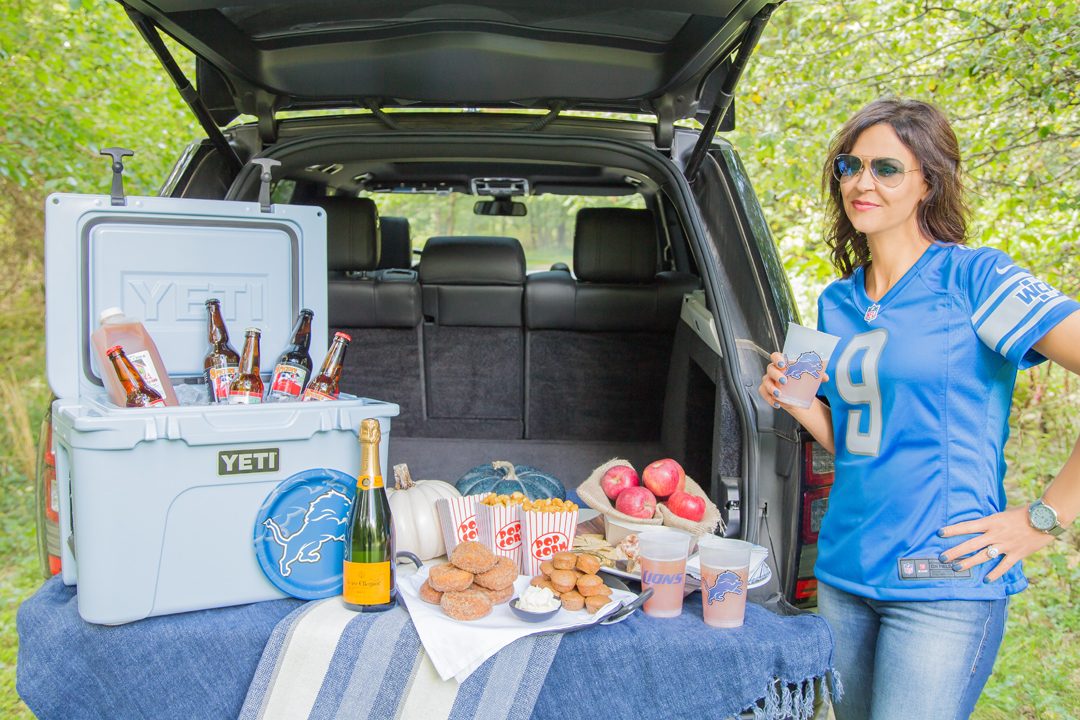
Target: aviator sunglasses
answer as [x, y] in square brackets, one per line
[889, 172]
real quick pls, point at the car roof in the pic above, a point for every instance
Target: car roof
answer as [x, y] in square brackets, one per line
[260, 56]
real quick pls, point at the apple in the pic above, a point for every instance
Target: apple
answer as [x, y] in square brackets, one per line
[663, 477]
[636, 502]
[618, 478]
[685, 505]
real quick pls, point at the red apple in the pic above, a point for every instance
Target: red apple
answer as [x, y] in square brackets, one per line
[636, 502]
[618, 478]
[664, 477]
[685, 505]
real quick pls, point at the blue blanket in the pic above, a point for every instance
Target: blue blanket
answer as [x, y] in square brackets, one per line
[200, 665]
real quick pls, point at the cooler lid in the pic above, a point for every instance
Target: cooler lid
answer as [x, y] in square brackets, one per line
[160, 259]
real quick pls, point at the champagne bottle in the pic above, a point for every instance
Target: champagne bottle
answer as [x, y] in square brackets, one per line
[369, 551]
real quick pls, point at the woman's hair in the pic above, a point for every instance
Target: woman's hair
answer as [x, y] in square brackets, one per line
[942, 214]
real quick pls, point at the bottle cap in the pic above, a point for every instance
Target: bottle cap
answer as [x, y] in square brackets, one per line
[114, 349]
[305, 311]
[345, 336]
[212, 301]
[255, 330]
[109, 313]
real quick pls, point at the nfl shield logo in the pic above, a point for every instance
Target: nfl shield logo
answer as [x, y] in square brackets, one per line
[871, 312]
[908, 567]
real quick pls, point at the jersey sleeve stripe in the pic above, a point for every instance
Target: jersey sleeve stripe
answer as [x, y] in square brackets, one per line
[1006, 317]
[1001, 289]
[1023, 329]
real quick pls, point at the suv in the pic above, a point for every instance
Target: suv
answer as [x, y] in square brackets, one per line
[648, 335]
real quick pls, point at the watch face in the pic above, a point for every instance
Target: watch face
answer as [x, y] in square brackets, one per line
[1042, 517]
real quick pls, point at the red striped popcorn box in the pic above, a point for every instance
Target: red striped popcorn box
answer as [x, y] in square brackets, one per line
[457, 517]
[500, 530]
[543, 534]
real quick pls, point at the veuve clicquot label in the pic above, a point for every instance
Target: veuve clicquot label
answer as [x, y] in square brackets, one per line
[367, 583]
[367, 482]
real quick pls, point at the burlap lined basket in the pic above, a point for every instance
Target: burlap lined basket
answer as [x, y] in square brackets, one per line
[593, 496]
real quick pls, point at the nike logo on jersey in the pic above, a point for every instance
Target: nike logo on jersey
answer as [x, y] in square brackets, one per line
[1003, 270]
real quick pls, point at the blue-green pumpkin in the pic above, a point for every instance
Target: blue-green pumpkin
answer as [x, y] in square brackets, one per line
[503, 478]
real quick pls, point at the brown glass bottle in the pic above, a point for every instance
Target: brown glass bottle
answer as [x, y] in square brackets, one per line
[247, 388]
[368, 574]
[137, 392]
[325, 385]
[293, 367]
[221, 364]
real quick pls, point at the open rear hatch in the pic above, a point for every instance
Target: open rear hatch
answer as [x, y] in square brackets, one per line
[256, 57]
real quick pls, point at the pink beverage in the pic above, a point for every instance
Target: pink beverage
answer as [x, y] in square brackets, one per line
[800, 392]
[725, 567]
[667, 579]
[806, 352]
[723, 596]
[662, 553]
[117, 329]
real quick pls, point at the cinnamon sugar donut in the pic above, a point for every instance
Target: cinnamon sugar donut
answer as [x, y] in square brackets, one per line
[466, 605]
[473, 557]
[447, 578]
[429, 594]
[499, 577]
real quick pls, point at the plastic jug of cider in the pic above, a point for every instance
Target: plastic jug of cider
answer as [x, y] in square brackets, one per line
[118, 329]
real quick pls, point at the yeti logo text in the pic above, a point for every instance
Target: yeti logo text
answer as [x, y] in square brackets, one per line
[238, 462]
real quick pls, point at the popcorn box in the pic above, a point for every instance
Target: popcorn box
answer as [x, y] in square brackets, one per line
[457, 517]
[500, 530]
[543, 534]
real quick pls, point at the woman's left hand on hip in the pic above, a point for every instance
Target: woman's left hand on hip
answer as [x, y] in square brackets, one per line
[1009, 533]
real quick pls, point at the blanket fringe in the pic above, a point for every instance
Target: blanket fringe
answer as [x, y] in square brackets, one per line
[795, 701]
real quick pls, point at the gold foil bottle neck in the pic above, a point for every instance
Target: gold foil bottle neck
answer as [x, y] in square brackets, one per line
[369, 431]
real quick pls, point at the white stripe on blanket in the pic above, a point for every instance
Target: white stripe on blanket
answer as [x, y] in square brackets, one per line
[430, 697]
[305, 660]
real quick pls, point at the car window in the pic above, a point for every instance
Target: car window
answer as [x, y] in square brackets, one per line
[546, 232]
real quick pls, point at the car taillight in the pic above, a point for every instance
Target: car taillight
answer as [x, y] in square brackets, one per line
[817, 480]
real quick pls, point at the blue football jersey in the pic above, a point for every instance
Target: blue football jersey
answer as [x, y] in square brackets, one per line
[920, 388]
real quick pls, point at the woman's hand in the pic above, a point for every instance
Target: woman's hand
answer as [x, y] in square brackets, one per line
[1009, 532]
[774, 379]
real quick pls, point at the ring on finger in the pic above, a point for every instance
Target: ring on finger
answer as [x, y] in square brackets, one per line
[992, 552]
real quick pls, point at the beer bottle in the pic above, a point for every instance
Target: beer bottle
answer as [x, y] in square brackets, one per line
[247, 388]
[325, 384]
[293, 367]
[369, 584]
[221, 362]
[137, 392]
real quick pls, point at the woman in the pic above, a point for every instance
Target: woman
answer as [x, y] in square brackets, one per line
[917, 554]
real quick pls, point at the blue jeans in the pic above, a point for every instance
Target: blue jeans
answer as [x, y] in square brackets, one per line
[910, 659]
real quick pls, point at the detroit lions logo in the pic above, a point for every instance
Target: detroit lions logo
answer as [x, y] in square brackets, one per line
[807, 362]
[726, 582]
[324, 521]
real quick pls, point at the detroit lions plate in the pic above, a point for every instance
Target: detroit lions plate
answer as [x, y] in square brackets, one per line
[300, 532]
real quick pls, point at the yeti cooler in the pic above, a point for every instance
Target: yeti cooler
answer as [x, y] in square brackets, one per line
[158, 505]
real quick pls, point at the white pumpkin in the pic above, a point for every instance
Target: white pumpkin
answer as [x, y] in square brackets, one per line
[416, 522]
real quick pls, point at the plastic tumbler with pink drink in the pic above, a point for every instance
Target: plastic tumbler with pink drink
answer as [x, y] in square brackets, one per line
[807, 354]
[662, 554]
[725, 566]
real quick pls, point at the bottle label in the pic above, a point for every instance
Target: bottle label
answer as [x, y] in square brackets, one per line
[288, 381]
[156, 403]
[145, 365]
[245, 398]
[366, 482]
[219, 379]
[367, 583]
[313, 394]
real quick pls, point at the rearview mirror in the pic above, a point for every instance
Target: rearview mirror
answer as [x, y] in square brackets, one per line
[503, 206]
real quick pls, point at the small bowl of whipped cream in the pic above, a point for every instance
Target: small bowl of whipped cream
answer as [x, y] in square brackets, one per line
[536, 604]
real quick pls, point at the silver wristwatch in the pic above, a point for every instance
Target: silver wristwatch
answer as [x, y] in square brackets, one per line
[1044, 518]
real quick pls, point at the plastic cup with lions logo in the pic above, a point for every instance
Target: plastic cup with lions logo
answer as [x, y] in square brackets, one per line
[806, 353]
[725, 566]
[662, 554]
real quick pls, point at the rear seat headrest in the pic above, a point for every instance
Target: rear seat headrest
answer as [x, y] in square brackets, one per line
[615, 245]
[472, 260]
[396, 245]
[352, 234]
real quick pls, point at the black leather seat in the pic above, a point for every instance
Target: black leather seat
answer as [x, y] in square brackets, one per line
[605, 334]
[473, 335]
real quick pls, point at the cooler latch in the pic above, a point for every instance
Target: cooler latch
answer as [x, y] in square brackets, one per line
[117, 154]
[265, 176]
